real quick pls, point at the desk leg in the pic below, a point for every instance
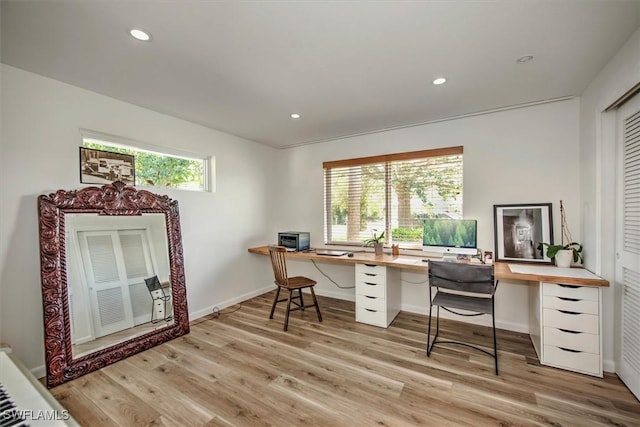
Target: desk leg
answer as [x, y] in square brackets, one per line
[535, 317]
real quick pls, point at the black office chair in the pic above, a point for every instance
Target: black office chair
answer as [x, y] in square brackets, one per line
[461, 286]
[159, 300]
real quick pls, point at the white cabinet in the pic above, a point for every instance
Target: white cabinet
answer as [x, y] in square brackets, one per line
[568, 334]
[377, 294]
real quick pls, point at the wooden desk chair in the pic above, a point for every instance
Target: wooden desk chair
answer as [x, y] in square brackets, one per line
[466, 287]
[297, 283]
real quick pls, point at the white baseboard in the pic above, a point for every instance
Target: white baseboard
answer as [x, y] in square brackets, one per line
[228, 303]
[39, 371]
[336, 295]
[609, 365]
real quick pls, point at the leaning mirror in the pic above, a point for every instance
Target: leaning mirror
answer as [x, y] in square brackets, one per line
[112, 276]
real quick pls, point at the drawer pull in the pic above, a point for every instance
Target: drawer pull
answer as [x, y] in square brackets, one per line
[369, 274]
[367, 296]
[569, 299]
[373, 311]
[370, 265]
[568, 331]
[370, 284]
[569, 286]
[569, 312]
[570, 350]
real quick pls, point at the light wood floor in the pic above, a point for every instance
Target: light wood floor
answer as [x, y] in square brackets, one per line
[241, 369]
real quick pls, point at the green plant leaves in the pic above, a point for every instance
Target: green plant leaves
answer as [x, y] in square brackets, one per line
[374, 239]
[552, 250]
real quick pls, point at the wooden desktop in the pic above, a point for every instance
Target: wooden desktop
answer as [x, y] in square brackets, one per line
[414, 262]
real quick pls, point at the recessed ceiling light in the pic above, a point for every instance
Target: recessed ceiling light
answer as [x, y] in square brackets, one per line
[524, 59]
[139, 34]
[439, 81]
[295, 116]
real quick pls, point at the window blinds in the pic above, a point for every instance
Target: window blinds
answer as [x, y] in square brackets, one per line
[391, 193]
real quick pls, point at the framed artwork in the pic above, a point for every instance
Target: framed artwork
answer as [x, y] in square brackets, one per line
[104, 167]
[519, 229]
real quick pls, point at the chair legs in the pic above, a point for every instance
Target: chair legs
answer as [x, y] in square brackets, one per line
[286, 316]
[495, 346]
[430, 343]
[292, 299]
[275, 301]
[315, 302]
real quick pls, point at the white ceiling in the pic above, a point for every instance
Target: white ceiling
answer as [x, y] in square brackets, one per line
[348, 67]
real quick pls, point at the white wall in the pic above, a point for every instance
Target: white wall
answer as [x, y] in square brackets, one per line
[597, 179]
[526, 155]
[39, 154]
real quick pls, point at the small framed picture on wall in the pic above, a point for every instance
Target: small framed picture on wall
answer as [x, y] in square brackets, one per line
[104, 167]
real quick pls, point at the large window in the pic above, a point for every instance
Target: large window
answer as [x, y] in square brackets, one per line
[391, 193]
[156, 168]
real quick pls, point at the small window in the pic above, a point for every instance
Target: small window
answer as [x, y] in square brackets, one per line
[391, 193]
[155, 168]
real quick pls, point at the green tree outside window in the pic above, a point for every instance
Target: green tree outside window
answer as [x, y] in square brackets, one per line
[161, 170]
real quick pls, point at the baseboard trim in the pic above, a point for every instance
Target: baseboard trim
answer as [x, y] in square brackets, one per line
[336, 295]
[609, 366]
[39, 371]
[228, 303]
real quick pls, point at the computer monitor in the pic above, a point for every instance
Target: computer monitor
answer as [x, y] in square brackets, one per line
[450, 236]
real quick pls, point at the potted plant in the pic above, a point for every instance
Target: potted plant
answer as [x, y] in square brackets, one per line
[564, 253]
[376, 241]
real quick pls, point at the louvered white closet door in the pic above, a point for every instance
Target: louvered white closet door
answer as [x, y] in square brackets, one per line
[138, 266]
[628, 241]
[106, 278]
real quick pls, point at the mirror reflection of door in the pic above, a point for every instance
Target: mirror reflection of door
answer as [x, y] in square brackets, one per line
[139, 265]
[115, 266]
[107, 260]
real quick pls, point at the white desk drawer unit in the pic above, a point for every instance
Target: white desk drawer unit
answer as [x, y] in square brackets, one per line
[377, 295]
[370, 303]
[371, 286]
[571, 325]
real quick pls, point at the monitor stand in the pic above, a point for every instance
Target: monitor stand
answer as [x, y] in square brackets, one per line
[449, 257]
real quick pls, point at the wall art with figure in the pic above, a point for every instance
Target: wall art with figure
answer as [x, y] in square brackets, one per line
[519, 229]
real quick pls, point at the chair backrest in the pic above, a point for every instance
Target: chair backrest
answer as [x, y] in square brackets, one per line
[462, 277]
[153, 283]
[279, 264]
